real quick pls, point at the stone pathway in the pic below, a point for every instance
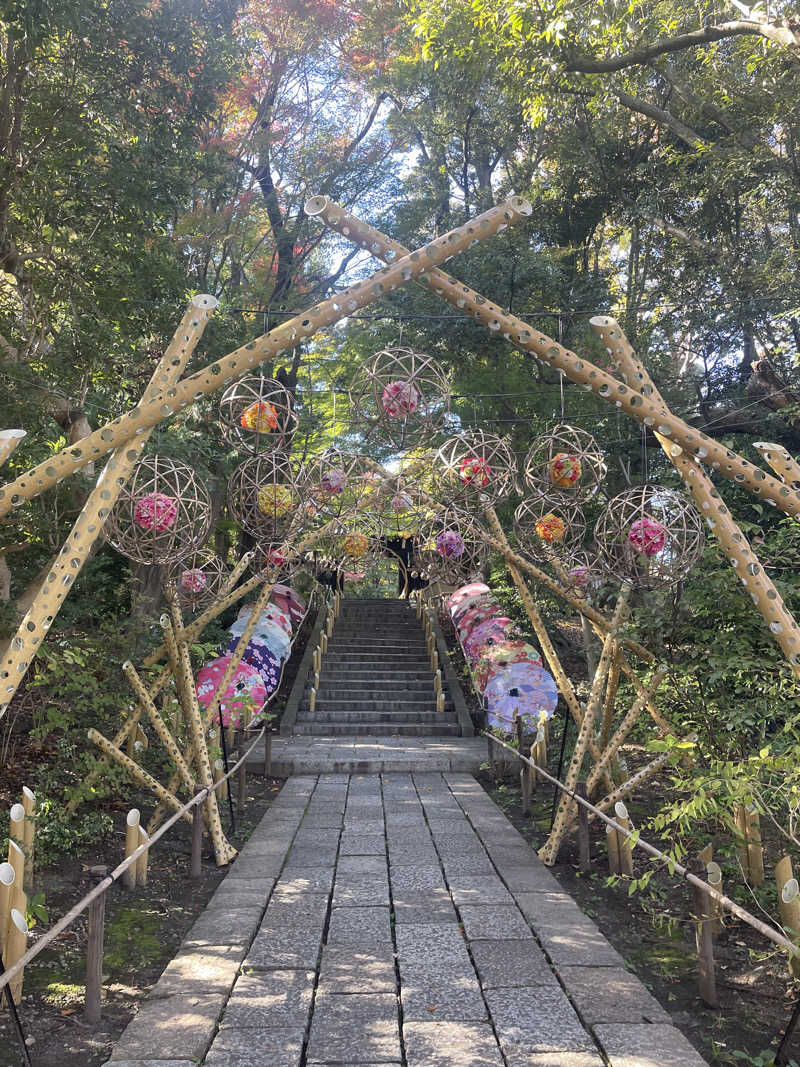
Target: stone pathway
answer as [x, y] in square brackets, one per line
[396, 919]
[372, 755]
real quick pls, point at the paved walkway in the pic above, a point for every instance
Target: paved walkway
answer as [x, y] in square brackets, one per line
[396, 919]
[373, 755]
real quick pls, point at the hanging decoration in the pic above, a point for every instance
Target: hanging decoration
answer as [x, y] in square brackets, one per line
[264, 496]
[549, 527]
[649, 536]
[199, 579]
[401, 395]
[477, 468]
[162, 514]
[565, 461]
[258, 415]
[339, 483]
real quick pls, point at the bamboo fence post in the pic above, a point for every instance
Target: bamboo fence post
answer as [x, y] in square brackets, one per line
[782, 462]
[740, 826]
[733, 543]
[95, 951]
[577, 369]
[591, 658]
[584, 853]
[788, 905]
[704, 940]
[132, 821]
[7, 876]
[89, 524]
[549, 851]
[16, 860]
[16, 943]
[142, 861]
[548, 649]
[714, 878]
[241, 785]
[29, 804]
[288, 335]
[16, 825]
[9, 439]
[197, 840]
[623, 841]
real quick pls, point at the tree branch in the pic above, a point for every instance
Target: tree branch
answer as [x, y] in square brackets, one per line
[664, 118]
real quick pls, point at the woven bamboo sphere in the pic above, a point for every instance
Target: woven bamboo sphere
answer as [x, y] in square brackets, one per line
[264, 496]
[258, 415]
[275, 560]
[401, 394]
[449, 547]
[162, 514]
[340, 483]
[351, 540]
[199, 579]
[565, 461]
[400, 507]
[549, 527]
[649, 536]
[477, 468]
[581, 573]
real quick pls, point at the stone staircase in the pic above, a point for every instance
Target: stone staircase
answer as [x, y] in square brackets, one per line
[376, 678]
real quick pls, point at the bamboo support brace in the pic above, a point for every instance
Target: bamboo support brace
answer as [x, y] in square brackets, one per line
[9, 439]
[624, 728]
[785, 465]
[166, 738]
[138, 773]
[549, 851]
[733, 543]
[577, 369]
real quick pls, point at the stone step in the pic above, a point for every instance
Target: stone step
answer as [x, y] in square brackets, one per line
[370, 645]
[373, 729]
[422, 717]
[365, 673]
[335, 705]
[377, 662]
[377, 687]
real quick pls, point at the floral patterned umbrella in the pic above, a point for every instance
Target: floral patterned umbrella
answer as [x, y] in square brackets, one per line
[475, 616]
[491, 632]
[260, 655]
[460, 610]
[526, 688]
[494, 657]
[472, 589]
[246, 689]
[289, 601]
[272, 613]
[268, 632]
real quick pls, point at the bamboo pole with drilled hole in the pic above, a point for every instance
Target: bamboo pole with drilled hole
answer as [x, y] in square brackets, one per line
[782, 462]
[549, 850]
[9, 440]
[92, 518]
[166, 738]
[138, 773]
[577, 369]
[732, 541]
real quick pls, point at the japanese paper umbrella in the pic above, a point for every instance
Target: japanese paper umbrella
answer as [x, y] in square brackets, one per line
[472, 589]
[460, 610]
[246, 689]
[494, 658]
[475, 616]
[289, 600]
[271, 614]
[260, 656]
[526, 688]
[491, 632]
[270, 633]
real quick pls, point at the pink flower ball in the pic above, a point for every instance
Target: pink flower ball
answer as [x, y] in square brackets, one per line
[156, 511]
[193, 580]
[333, 481]
[450, 544]
[647, 536]
[399, 399]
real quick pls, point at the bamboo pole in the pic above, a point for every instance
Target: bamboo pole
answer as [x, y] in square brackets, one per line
[549, 851]
[548, 649]
[89, 524]
[740, 824]
[610, 701]
[16, 860]
[788, 904]
[755, 853]
[782, 462]
[714, 876]
[132, 821]
[29, 804]
[138, 773]
[141, 863]
[9, 439]
[577, 369]
[269, 346]
[16, 943]
[7, 876]
[623, 841]
[632, 784]
[612, 844]
[166, 738]
[704, 941]
[732, 542]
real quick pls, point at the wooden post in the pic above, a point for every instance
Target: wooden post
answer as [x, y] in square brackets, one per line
[141, 863]
[218, 773]
[714, 876]
[740, 826]
[267, 754]
[755, 853]
[704, 940]
[16, 943]
[29, 833]
[440, 702]
[584, 857]
[241, 785]
[94, 951]
[197, 840]
[612, 843]
[789, 905]
[312, 699]
[624, 842]
[131, 844]
[7, 876]
[323, 640]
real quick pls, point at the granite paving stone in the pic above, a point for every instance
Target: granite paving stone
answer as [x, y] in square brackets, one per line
[647, 1045]
[201, 970]
[171, 1028]
[509, 964]
[226, 926]
[254, 1047]
[454, 996]
[299, 881]
[289, 950]
[361, 890]
[316, 856]
[539, 1019]
[610, 995]
[361, 865]
[423, 906]
[359, 926]
[417, 878]
[357, 969]
[357, 844]
[270, 1000]
[446, 1043]
[477, 889]
[357, 1028]
[494, 922]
